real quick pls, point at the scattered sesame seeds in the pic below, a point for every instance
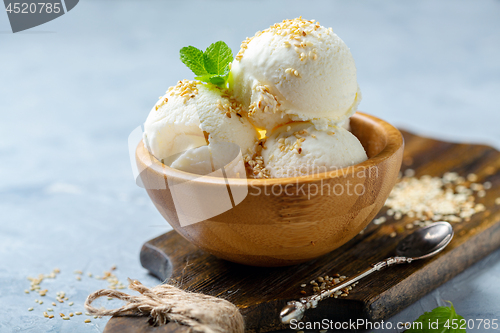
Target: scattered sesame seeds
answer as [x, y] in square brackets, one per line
[255, 166]
[185, 88]
[429, 199]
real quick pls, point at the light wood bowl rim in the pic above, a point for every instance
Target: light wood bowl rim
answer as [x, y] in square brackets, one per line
[394, 141]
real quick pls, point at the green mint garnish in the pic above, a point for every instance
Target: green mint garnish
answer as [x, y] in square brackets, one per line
[440, 320]
[209, 66]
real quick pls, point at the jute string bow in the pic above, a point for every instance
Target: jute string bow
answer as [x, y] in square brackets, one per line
[164, 303]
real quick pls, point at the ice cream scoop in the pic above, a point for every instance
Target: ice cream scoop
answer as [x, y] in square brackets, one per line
[192, 115]
[295, 70]
[299, 149]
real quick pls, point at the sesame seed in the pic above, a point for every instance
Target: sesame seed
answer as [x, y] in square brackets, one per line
[472, 177]
[65, 318]
[50, 309]
[30, 309]
[409, 173]
[51, 316]
[26, 291]
[54, 303]
[87, 321]
[71, 314]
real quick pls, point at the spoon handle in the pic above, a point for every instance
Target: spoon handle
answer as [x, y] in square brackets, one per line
[296, 309]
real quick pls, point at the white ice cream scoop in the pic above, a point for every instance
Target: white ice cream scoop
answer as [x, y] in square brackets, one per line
[299, 149]
[295, 70]
[192, 115]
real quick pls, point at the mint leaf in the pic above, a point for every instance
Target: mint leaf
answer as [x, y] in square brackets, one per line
[193, 59]
[218, 80]
[440, 320]
[217, 58]
[210, 66]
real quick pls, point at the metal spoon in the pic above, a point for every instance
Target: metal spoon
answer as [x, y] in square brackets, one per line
[421, 244]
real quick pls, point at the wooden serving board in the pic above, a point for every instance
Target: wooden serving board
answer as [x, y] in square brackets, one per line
[260, 293]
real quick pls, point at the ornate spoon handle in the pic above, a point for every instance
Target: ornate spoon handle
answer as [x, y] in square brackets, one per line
[296, 309]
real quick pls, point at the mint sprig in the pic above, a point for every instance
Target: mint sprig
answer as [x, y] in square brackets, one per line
[210, 66]
[440, 320]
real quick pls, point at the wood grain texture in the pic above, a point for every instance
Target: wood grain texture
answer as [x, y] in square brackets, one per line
[260, 293]
[286, 221]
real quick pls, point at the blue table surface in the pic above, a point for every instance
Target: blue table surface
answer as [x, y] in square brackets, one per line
[73, 89]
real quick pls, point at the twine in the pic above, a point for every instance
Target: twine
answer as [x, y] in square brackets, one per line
[165, 303]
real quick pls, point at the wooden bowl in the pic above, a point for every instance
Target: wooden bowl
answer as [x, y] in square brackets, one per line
[282, 229]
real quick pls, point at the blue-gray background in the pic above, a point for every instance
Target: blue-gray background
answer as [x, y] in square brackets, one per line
[72, 90]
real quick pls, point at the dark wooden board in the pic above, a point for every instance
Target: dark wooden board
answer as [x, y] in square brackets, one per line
[260, 293]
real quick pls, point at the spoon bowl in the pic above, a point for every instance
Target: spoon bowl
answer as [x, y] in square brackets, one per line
[426, 241]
